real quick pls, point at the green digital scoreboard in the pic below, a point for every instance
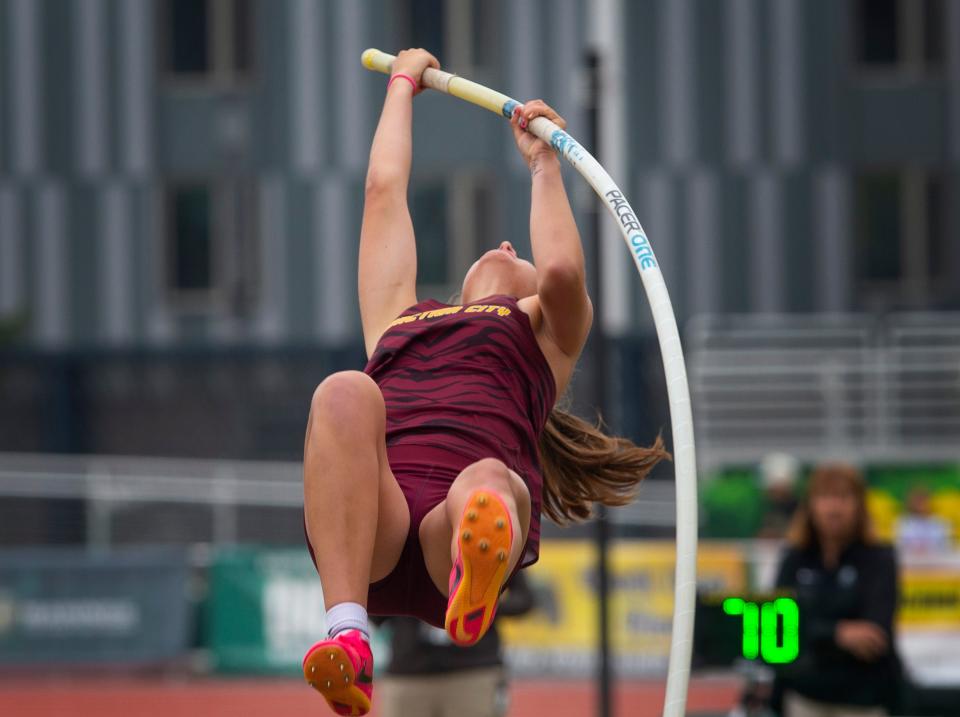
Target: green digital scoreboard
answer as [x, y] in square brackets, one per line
[771, 630]
[764, 628]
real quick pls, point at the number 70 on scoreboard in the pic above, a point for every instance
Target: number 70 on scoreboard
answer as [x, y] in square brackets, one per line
[770, 629]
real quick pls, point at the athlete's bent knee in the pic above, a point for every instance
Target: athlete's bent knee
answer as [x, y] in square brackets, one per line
[346, 399]
[494, 474]
[486, 469]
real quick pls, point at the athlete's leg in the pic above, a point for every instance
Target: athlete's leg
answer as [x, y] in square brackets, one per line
[438, 536]
[357, 521]
[357, 518]
[478, 537]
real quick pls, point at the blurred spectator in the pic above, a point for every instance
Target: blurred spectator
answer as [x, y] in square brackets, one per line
[846, 589]
[429, 676]
[778, 474]
[920, 531]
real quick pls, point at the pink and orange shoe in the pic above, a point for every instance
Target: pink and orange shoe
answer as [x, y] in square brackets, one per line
[484, 539]
[341, 669]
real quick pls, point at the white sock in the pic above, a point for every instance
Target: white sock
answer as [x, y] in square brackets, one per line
[347, 616]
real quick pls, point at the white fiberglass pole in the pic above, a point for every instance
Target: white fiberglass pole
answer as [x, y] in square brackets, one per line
[681, 417]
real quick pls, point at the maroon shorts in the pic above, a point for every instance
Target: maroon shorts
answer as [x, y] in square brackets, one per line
[425, 475]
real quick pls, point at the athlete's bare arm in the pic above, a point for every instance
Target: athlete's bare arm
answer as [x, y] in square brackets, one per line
[388, 254]
[557, 251]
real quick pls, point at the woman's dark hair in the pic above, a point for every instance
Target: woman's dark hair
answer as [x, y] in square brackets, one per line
[831, 478]
[582, 465]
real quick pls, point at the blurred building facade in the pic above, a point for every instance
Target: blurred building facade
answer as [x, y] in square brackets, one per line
[184, 175]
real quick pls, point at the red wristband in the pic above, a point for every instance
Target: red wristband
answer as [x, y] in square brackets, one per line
[409, 79]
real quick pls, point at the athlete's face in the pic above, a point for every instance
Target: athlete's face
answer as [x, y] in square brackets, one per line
[499, 271]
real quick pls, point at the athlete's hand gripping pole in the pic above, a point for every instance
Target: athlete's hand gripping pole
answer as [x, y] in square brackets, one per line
[681, 418]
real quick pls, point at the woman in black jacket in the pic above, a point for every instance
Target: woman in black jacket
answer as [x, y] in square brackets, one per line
[846, 589]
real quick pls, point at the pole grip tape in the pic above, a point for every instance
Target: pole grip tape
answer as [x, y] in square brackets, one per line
[447, 83]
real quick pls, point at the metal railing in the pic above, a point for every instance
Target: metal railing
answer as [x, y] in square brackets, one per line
[118, 500]
[151, 500]
[843, 386]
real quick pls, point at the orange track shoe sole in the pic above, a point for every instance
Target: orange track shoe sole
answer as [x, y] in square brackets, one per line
[484, 539]
[329, 670]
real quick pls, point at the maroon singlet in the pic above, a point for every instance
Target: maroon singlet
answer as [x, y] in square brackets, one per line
[461, 383]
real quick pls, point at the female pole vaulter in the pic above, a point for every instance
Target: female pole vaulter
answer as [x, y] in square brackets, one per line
[425, 475]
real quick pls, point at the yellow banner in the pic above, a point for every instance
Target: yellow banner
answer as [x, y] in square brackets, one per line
[929, 598]
[641, 607]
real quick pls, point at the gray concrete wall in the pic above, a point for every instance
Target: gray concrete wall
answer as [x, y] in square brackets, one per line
[748, 122]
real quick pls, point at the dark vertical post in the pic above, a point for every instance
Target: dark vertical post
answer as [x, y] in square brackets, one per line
[599, 362]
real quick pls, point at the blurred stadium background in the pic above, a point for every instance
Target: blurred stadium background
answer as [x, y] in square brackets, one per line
[180, 198]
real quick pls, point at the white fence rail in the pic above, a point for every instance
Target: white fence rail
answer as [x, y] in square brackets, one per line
[200, 500]
[137, 499]
[846, 386]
